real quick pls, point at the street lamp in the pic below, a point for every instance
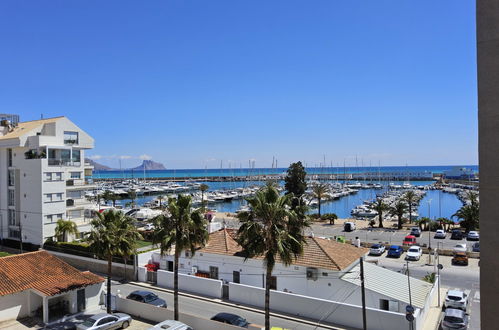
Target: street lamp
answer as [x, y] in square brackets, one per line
[429, 233]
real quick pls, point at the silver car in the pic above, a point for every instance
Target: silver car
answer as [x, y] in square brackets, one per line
[171, 325]
[455, 319]
[106, 321]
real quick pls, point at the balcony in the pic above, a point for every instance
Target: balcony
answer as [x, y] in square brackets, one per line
[70, 141]
[74, 184]
[63, 162]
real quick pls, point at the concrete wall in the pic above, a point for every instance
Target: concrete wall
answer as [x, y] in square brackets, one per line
[14, 306]
[487, 14]
[157, 314]
[318, 309]
[95, 265]
[189, 283]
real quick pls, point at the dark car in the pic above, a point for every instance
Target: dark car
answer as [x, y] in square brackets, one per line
[476, 247]
[456, 234]
[231, 319]
[147, 297]
[395, 251]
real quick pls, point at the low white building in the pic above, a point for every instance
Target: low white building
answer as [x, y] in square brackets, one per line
[42, 177]
[326, 270]
[39, 284]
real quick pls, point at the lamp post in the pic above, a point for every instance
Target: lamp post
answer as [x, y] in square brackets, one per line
[429, 233]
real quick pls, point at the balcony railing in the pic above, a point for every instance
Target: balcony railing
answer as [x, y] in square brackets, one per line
[62, 162]
[70, 141]
[70, 183]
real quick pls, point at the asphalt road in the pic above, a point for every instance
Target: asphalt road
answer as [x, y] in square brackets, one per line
[208, 309]
[466, 278]
[385, 235]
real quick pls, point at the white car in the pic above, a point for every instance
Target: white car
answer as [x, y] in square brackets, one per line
[149, 226]
[440, 233]
[460, 248]
[414, 253]
[456, 299]
[106, 321]
[473, 236]
[377, 249]
[171, 325]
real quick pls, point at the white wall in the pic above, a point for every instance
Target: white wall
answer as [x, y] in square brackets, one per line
[92, 295]
[14, 306]
[198, 285]
[158, 314]
[318, 309]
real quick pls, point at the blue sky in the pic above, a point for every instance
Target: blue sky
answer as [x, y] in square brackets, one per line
[190, 83]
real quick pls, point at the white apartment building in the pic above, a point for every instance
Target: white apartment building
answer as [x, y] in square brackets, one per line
[42, 177]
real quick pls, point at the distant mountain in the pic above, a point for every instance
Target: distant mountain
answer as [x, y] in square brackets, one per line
[97, 166]
[149, 165]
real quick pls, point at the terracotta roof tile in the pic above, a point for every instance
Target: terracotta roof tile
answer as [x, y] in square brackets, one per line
[318, 252]
[43, 272]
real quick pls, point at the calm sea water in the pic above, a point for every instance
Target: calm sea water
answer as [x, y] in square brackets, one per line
[206, 173]
[435, 203]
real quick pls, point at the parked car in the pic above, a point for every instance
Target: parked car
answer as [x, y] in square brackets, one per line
[473, 236]
[377, 249]
[460, 248]
[414, 253]
[409, 240]
[148, 226]
[456, 299]
[476, 247]
[440, 233]
[454, 319]
[106, 321]
[171, 325]
[349, 226]
[416, 231]
[147, 297]
[456, 234]
[395, 251]
[460, 258]
[231, 319]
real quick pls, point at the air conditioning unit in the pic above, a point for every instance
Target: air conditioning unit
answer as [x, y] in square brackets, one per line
[312, 273]
[194, 269]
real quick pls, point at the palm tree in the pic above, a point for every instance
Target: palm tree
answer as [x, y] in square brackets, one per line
[128, 240]
[399, 210]
[183, 228]
[447, 223]
[114, 198]
[332, 217]
[106, 196]
[410, 197]
[272, 230]
[203, 187]
[109, 229]
[469, 213]
[160, 199]
[423, 223]
[132, 194]
[65, 228]
[319, 190]
[380, 207]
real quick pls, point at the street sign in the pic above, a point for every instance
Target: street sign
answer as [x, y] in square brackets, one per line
[409, 309]
[440, 266]
[409, 317]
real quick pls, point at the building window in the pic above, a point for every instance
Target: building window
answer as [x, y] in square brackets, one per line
[214, 272]
[236, 277]
[9, 157]
[54, 197]
[14, 233]
[75, 175]
[70, 137]
[74, 214]
[273, 283]
[11, 198]
[50, 218]
[75, 194]
[12, 178]
[389, 305]
[76, 156]
[53, 176]
[12, 218]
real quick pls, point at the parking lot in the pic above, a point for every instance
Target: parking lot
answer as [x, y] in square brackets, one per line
[386, 235]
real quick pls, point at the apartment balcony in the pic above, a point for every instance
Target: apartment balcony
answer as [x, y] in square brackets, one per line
[77, 203]
[62, 162]
[78, 184]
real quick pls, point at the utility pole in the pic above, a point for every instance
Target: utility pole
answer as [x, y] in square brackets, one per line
[364, 321]
[410, 308]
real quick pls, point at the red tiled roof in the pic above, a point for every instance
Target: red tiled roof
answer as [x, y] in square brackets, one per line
[318, 252]
[43, 272]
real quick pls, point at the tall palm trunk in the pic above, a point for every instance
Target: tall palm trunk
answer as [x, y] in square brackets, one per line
[380, 215]
[319, 207]
[268, 279]
[175, 285]
[125, 259]
[400, 221]
[109, 271]
[410, 211]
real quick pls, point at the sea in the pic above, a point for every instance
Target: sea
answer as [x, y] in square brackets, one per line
[228, 172]
[435, 204]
